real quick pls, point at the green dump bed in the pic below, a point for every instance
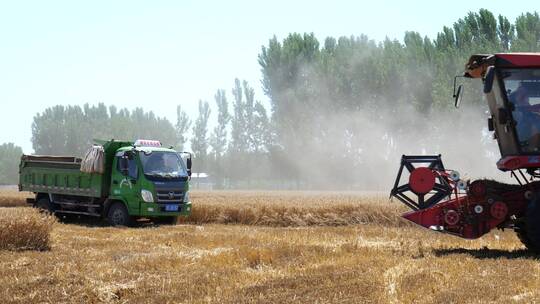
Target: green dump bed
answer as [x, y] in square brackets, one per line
[62, 174]
[58, 175]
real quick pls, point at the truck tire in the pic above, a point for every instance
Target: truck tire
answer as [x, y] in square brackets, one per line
[169, 220]
[44, 205]
[118, 215]
[528, 231]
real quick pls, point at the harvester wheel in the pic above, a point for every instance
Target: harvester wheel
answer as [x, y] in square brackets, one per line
[118, 215]
[529, 231]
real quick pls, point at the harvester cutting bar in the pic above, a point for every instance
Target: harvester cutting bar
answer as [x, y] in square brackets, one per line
[487, 205]
[441, 201]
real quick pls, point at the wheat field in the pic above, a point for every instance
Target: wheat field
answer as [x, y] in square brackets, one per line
[25, 229]
[288, 247]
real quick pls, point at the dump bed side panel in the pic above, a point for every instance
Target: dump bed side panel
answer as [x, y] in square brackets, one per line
[58, 175]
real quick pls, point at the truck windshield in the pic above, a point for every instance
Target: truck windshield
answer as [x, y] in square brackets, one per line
[162, 164]
[523, 91]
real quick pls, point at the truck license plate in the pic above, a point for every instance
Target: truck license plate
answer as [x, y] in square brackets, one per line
[171, 207]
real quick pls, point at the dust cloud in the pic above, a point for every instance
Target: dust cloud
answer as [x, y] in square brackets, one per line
[361, 148]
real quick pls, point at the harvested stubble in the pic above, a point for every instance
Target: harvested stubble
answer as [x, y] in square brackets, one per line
[14, 198]
[293, 209]
[277, 208]
[213, 263]
[254, 264]
[25, 229]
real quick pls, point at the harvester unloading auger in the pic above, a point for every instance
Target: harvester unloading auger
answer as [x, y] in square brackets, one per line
[469, 209]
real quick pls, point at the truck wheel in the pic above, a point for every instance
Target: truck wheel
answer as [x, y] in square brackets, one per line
[118, 215]
[529, 231]
[169, 220]
[44, 205]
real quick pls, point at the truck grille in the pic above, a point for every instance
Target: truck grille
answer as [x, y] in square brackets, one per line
[170, 196]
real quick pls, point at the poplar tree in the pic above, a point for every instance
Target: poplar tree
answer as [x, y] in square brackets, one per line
[199, 141]
[10, 157]
[183, 123]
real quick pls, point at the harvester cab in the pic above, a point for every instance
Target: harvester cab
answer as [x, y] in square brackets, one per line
[512, 91]
[442, 201]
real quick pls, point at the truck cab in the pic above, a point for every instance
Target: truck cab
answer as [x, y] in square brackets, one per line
[152, 180]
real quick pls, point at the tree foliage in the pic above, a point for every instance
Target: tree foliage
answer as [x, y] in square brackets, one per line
[183, 123]
[218, 140]
[70, 130]
[10, 156]
[199, 141]
[341, 111]
[352, 104]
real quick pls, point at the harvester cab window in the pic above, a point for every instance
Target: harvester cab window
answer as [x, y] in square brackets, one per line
[523, 91]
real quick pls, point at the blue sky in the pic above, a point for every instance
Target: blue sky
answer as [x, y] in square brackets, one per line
[157, 54]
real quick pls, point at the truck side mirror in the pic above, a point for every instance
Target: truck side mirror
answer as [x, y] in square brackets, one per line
[124, 165]
[458, 95]
[129, 154]
[188, 164]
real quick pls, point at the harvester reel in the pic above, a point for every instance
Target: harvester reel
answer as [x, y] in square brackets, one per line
[427, 181]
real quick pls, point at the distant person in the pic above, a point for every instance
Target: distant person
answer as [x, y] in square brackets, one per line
[520, 97]
[527, 121]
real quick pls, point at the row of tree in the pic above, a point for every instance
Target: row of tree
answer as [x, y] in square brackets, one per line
[9, 163]
[70, 130]
[232, 158]
[341, 111]
[355, 106]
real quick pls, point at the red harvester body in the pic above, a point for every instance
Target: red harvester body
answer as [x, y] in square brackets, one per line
[443, 202]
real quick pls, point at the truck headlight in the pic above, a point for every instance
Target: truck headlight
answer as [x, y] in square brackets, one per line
[147, 196]
[186, 197]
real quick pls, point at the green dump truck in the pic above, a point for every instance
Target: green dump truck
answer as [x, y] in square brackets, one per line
[120, 181]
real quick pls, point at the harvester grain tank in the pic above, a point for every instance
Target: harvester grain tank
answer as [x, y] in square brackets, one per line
[120, 181]
[444, 202]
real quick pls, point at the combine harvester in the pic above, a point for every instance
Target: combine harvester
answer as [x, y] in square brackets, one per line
[469, 209]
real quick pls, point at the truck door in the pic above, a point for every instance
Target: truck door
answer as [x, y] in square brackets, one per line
[125, 180]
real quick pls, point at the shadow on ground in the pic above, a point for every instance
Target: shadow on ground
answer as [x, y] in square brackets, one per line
[486, 253]
[94, 222]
